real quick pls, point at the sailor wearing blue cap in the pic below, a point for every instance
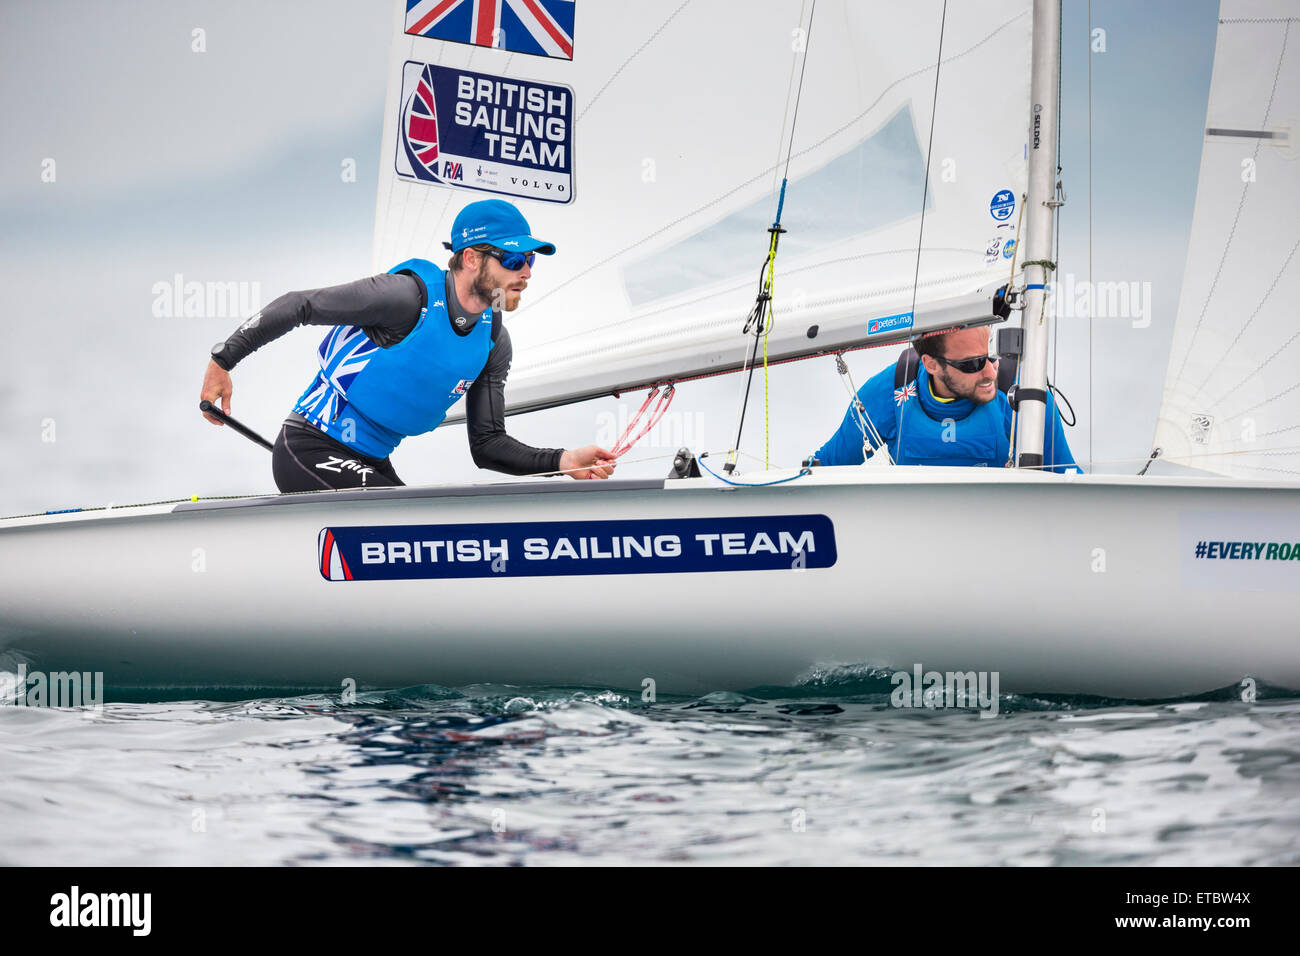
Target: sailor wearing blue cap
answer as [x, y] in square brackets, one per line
[495, 222]
[402, 348]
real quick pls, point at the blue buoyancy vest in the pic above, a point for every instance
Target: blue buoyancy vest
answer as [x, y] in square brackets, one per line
[922, 429]
[370, 398]
[932, 433]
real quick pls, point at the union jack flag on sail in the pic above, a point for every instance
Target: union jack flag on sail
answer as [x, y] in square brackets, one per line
[536, 27]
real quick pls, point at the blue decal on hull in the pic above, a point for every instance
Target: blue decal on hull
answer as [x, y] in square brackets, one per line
[542, 548]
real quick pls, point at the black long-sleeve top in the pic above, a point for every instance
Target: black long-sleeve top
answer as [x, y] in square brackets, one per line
[387, 307]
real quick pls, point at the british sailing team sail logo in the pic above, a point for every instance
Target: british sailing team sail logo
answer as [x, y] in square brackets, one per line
[499, 134]
[420, 129]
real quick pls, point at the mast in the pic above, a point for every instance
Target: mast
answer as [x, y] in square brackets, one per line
[1039, 217]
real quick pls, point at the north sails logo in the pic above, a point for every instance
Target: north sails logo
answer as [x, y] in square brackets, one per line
[1201, 425]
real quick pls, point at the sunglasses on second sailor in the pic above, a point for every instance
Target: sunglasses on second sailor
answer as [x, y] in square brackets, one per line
[969, 365]
[514, 261]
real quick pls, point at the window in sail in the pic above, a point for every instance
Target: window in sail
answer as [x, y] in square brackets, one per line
[874, 184]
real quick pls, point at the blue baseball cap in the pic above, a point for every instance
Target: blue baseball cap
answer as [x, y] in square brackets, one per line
[497, 222]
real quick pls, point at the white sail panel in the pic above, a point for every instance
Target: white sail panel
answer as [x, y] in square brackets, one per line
[1232, 391]
[683, 118]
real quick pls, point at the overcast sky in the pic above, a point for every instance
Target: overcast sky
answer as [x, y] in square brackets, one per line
[225, 166]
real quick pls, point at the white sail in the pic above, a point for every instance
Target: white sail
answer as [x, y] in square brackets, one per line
[683, 114]
[1232, 391]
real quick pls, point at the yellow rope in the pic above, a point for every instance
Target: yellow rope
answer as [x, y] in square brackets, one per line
[771, 321]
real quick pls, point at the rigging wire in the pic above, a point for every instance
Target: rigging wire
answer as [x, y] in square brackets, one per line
[785, 113]
[1013, 438]
[1060, 395]
[761, 318]
[1015, 249]
[1091, 309]
[1058, 194]
[925, 196]
[871, 440]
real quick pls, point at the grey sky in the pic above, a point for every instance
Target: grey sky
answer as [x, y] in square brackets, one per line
[225, 166]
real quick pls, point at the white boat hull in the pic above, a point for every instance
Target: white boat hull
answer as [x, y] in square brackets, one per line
[232, 595]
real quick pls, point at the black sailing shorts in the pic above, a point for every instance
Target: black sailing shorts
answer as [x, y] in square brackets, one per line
[305, 459]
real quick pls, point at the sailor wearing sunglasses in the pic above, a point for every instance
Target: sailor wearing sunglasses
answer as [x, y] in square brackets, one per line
[402, 348]
[951, 413]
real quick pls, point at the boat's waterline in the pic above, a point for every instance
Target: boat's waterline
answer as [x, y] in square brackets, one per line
[897, 567]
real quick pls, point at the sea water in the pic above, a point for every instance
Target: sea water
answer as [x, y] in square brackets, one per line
[828, 771]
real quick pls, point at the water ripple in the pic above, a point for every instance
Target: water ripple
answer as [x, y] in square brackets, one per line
[825, 771]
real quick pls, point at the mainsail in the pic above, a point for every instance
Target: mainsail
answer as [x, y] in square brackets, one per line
[1232, 392]
[675, 145]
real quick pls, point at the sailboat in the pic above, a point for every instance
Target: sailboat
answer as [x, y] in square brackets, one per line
[889, 189]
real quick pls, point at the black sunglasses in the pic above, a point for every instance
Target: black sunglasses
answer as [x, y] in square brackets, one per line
[969, 365]
[514, 261]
